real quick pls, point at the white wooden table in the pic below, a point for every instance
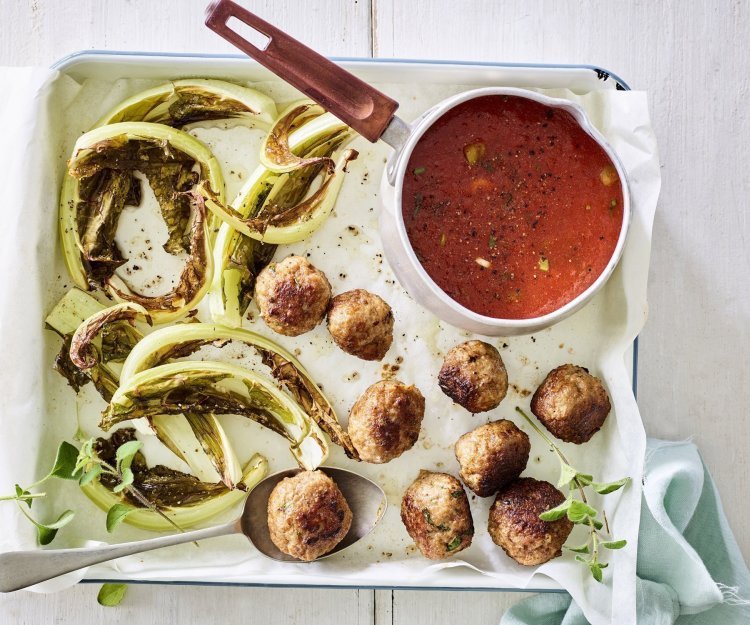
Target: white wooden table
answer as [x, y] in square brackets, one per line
[694, 376]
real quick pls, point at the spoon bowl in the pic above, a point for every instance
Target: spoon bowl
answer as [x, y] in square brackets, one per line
[366, 500]
[21, 569]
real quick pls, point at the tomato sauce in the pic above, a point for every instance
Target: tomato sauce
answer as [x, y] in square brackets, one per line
[511, 208]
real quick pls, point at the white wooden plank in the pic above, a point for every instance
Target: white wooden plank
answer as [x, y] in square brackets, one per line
[383, 612]
[45, 30]
[182, 605]
[693, 377]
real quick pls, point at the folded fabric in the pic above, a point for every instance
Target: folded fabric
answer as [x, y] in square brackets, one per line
[690, 568]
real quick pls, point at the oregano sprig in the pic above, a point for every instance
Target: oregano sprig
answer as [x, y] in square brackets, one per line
[91, 466]
[579, 511]
[63, 468]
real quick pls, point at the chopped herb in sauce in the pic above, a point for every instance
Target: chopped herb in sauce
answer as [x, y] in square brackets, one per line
[492, 242]
[473, 152]
[418, 171]
[543, 263]
[608, 176]
[418, 199]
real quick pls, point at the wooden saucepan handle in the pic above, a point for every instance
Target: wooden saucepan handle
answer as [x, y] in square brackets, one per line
[352, 100]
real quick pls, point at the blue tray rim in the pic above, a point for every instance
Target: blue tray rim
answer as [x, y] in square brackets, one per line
[604, 74]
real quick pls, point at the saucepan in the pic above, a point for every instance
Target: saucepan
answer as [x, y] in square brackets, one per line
[372, 114]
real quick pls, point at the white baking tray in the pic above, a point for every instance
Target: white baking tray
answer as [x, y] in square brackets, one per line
[575, 339]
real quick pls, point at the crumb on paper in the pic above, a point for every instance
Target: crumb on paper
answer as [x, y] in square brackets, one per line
[523, 392]
[388, 371]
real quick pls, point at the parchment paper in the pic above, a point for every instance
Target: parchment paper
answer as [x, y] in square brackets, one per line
[45, 112]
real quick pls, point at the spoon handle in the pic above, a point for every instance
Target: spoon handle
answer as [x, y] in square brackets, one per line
[21, 569]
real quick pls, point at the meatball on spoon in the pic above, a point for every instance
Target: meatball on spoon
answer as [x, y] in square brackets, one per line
[21, 569]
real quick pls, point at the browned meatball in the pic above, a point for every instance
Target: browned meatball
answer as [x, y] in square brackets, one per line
[515, 525]
[384, 422]
[436, 513]
[361, 323]
[492, 456]
[307, 515]
[292, 296]
[571, 403]
[473, 375]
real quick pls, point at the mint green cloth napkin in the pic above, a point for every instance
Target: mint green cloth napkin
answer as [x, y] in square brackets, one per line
[690, 569]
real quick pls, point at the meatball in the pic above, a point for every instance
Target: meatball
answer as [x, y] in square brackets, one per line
[571, 403]
[473, 375]
[492, 456]
[307, 515]
[515, 525]
[361, 323]
[436, 513]
[384, 422]
[292, 296]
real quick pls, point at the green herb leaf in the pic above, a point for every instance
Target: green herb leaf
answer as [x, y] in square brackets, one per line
[597, 524]
[567, 474]
[558, 512]
[65, 518]
[65, 462]
[23, 495]
[126, 452]
[596, 571]
[614, 544]
[609, 487]
[579, 512]
[579, 549]
[584, 478]
[94, 472]
[492, 241]
[418, 171]
[110, 595]
[47, 533]
[457, 494]
[453, 544]
[85, 455]
[117, 514]
[125, 480]
[543, 263]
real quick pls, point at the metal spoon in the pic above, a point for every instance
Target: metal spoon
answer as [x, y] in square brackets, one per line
[21, 569]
